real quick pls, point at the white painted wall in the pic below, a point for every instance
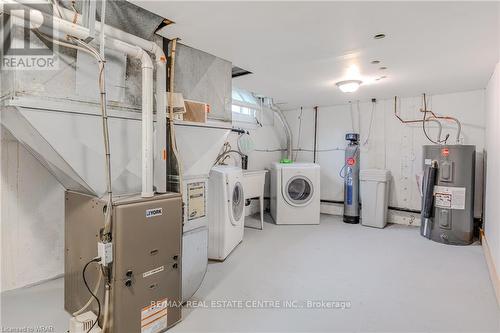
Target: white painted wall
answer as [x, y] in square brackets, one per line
[492, 208]
[268, 136]
[391, 145]
[32, 218]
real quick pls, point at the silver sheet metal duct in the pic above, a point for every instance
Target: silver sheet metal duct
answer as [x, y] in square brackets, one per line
[42, 150]
[126, 16]
[288, 131]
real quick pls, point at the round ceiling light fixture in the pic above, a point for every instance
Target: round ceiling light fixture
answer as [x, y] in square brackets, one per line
[379, 36]
[349, 86]
[383, 68]
[375, 62]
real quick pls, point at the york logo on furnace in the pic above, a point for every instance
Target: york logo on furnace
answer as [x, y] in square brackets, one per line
[154, 212]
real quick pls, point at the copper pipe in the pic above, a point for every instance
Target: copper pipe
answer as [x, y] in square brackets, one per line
[401, 119]
[435, 116]
[414, 121]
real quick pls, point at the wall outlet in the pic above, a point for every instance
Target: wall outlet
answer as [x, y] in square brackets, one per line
[105, 252]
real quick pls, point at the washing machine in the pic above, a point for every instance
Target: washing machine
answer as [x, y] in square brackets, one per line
[295, 193]
[226, 211]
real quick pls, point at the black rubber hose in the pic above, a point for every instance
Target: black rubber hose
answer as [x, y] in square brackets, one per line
[429, 182]
[91, 293]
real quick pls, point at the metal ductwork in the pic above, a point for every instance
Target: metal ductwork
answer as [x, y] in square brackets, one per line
[288, 131]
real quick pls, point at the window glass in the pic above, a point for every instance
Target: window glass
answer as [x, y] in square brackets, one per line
[244, 106]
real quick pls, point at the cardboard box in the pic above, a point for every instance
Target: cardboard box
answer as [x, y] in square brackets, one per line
[196, 111]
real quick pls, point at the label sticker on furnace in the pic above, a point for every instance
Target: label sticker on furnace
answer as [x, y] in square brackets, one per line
[154, 317]
[196, 200]
[449, 197]
[153, 271]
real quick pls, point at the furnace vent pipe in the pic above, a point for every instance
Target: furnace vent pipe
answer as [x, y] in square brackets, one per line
[39, 19]
[288, 131]
[147, 110]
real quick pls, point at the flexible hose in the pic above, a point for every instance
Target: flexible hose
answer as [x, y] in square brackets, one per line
[440, 129]
[459, 128]
[227, 153]
[95, 291]
[95, 260]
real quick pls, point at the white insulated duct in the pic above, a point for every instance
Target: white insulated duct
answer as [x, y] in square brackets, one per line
[39, 19]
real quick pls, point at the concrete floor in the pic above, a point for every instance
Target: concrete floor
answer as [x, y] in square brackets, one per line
[391, 280]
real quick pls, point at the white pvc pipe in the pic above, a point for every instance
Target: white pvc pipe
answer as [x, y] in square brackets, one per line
[147, 110]
[38, 19]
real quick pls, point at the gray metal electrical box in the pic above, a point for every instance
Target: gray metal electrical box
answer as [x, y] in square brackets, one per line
[146, 270]
[452, 220]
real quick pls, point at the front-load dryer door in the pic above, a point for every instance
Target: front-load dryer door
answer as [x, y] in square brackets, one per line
[236, 203]
[298, 190]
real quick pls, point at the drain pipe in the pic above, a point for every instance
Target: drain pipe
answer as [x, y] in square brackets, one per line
[288, 131]
[39, 19]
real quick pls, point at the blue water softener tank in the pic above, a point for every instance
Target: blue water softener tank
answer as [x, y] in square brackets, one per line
[351, 179]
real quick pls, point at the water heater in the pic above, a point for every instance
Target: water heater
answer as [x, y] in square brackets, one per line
[351, 179]
[448, 193]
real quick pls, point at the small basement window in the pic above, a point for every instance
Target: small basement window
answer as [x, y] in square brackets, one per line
[244, 106]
